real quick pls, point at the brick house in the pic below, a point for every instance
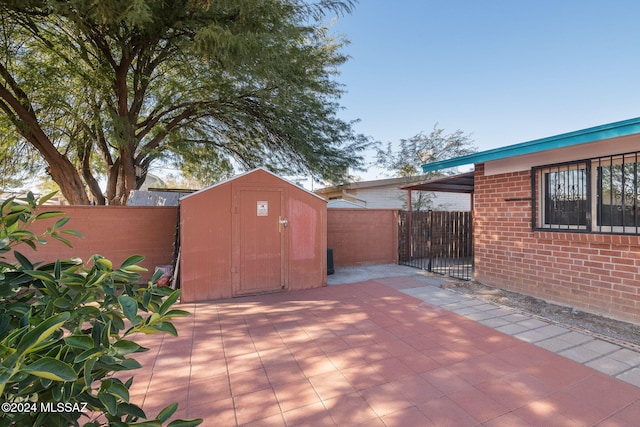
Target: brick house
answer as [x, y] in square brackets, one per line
[559, 218]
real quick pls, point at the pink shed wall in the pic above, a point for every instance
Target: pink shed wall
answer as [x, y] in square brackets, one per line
[210, 266]
[599, 273]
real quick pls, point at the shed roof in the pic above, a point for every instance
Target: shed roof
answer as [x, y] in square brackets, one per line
[248, 173]
[593, 134]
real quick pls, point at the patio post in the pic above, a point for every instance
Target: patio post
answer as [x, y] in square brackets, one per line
[410, 225]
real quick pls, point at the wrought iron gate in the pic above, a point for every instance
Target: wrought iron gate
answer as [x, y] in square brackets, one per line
[437, 241]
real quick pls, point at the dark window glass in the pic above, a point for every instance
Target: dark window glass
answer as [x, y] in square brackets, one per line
[565, 197]
[618, 192]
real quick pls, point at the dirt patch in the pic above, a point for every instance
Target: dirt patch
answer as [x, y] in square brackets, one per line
[621, 333]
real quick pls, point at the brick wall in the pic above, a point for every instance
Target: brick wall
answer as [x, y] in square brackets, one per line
[363, 236]
[598, 273]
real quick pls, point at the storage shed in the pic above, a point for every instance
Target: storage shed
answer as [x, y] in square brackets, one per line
[254, 233]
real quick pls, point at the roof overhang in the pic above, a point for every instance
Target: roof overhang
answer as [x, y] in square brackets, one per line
[594, 134]
[462, 183]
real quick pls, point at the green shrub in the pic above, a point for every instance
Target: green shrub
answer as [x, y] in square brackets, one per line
[66, 329]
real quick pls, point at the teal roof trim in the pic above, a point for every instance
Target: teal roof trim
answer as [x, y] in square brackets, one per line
[598, 133]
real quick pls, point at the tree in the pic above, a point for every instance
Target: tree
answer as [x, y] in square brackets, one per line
[406, 160]
[66, 329]
[101, 89]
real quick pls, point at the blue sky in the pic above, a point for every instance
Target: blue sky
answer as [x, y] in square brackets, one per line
[503, 71]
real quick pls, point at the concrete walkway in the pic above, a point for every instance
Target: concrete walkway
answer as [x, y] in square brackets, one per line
[601, 353]
[383, 351]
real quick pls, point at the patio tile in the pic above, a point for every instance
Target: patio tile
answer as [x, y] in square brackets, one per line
[446, 380]
[629, 414]
[510, 420]
[206, 391]
[330, 345]
[418, 362]
[385, 399]
[510, 395]
[608, 365]
[219, 413]
[317, 365]
[559, 371]
[244, 362]
[330, 385]
[255, 406]
[627, 356]
[165, 378]
[444, 412]
[632, 376]
[344, 359]
[372, 353]
[248, 381]
[477, 404]
[274, 356]
[392, 368]
[417, 389]
[545, 413]
[480, 369]
[283, 373]
[512, 329]
[599, 391]
[529, 386]
[349, 410]
[202, 370]
[600, 346]
[363, 377]
[494, 322]
[295, 394]
[157, 400]
[272, 421]
[580, 354]
[408, 417]
[309, 416]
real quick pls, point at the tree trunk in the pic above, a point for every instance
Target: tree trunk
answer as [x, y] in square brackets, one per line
[59, 167]
[66, 176]
[121, 178]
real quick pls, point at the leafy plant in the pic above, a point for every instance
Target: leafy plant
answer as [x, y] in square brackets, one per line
[66, 329]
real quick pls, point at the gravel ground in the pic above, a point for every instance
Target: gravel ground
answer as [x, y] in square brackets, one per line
[618, 331]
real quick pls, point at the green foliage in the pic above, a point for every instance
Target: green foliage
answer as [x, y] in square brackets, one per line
[405, 160]
[66, 329]
[118, 85]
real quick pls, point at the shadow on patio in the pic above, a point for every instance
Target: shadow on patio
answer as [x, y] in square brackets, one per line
[365, 354]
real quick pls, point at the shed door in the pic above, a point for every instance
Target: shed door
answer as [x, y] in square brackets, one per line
[260, 241]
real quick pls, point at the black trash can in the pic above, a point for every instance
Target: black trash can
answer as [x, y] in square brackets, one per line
[330, 269]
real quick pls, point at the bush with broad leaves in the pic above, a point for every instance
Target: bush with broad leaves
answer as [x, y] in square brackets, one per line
[66, 329]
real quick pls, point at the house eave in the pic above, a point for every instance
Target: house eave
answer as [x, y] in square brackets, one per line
[594, 134]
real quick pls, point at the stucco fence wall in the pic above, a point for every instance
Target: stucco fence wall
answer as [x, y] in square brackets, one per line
[115, 232]
[363, 236]
[357, 236]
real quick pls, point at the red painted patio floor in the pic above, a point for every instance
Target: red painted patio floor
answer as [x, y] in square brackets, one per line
[365, 354]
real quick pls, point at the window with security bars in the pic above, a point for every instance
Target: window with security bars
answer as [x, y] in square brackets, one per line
[595, 195]
[617, 204]
[565, 196]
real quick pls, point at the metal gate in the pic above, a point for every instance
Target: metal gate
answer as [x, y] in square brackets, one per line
[437, 241]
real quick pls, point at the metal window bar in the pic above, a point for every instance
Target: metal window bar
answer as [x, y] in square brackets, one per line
[617, 196]
[565, 196]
